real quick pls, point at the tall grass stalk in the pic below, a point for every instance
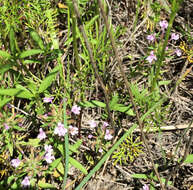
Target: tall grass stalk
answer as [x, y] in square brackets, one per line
[136, 14]
[66, 147]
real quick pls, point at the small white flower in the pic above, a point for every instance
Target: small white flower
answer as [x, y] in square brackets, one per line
[92, 124]
[60, 130]
[75, 109]
[42, 134]
[73, 130]
[108, 136]
[178, 52]
[15, 162]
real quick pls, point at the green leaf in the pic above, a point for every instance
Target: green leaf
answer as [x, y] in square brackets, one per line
[4, 101]
[32, 86]
[14, 186]
[60, 168]
[18, 128]
[29, 61]
[75, 146]
[78, 165]
[10, 147]
[30, 52]
[42, 184]
[72, 149]
[114, 101]
[92, 104]
[124, 109]
[48, 80]
[5, 55]
[5, 67]
[31, 142]
[189, 159]
[91, 22]
[10, 179]
[20, 93]
[139, 176]
[153, 108]
[166, 82]
[60, 147]
[12, 41]
[35, 36]
[55, 163]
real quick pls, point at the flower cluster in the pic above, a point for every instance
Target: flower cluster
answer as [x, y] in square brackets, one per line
[163, 24]
[175, 36]
[73, 130]
[60, 130]
[48, 99]
[151, 57]
[6, 126]
[145, 187]
[26, 182]
[108, 135]
[92, 124]
[15, 162]
[49, 157]
[41, 135]
[75, 109]
[152, 37]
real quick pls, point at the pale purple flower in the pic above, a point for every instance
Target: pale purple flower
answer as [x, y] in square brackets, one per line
[48, 148]
[60, 130]
[90, 136]
[92, 124]
[105, 124]
[100, 150]
[178, 52]
[49, 157]
[42, 134]
[145, 187]
[20, 124]
[6, 126]
[167, 48]
[75, 109]
[9, 105]
[45, 115]
[163, 24]
[26, 181]
[48, 99]
[15, 162]
[73, 130]
[108, 136]
[175, 36]
[151, 37]
[151, 57]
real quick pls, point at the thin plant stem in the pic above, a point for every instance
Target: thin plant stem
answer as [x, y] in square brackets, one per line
[109, 29]
[136, 14]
